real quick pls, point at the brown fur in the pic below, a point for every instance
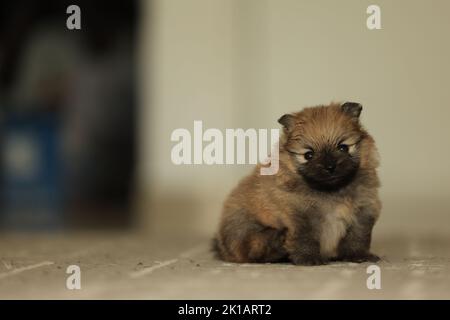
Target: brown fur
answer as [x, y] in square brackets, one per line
[279, 217]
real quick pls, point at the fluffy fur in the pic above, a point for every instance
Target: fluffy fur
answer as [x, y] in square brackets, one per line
[320, 206]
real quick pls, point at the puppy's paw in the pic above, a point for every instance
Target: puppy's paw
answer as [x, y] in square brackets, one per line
[372, 257]
[308, 260]
[368, 257]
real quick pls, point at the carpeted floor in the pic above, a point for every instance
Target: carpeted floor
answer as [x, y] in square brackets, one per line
[126, 266]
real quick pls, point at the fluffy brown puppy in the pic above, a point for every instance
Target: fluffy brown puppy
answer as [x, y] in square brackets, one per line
[320, 206]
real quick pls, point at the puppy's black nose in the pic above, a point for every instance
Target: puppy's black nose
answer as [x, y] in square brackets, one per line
[330, 166]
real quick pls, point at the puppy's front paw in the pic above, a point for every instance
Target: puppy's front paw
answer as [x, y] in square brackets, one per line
[302, 260]
[368, 257]
[372, 258]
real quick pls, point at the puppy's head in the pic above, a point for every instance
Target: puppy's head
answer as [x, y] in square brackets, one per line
[325, 144]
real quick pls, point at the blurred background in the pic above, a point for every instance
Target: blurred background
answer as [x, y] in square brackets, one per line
[86, 115]
[68, 110]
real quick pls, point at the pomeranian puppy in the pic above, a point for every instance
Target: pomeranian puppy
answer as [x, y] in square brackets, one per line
[320, 206]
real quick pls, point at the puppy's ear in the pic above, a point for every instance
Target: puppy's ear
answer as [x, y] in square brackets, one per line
[287, 121]
[353, 109]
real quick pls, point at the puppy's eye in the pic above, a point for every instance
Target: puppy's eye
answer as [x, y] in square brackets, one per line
[308, 155]
[343, 147]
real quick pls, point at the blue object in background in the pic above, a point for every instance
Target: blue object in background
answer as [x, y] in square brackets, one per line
[31, 167]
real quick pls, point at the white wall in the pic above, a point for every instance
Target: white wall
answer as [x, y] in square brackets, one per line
[234, 63]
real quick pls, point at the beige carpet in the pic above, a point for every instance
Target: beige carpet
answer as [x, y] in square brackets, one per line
[125, 266]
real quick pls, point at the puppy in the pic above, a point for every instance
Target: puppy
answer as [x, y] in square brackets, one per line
[322, 204]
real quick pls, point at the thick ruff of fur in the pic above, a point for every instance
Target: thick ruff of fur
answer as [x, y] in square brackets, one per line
[320, 206]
